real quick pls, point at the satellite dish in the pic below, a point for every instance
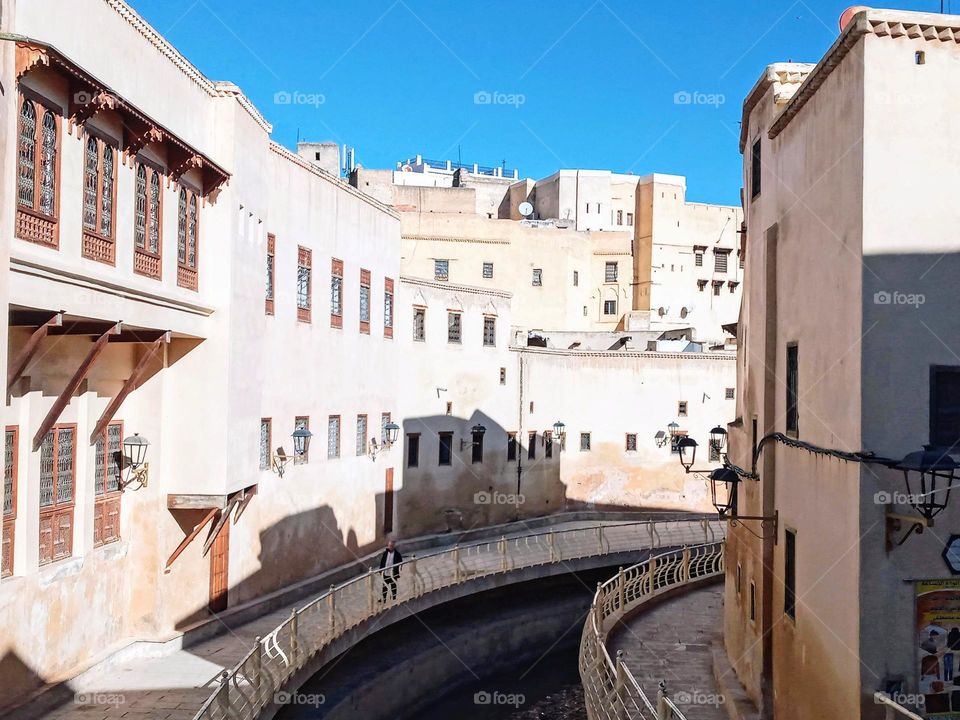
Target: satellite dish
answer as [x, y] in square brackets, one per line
[526, 209]
[407, 168]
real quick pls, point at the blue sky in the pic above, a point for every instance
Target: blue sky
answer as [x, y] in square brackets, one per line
[570, 83]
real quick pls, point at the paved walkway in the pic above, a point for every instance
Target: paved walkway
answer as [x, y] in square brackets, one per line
[174, 686]
[672, 642]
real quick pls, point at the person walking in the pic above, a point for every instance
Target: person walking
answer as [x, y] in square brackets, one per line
[390, 565]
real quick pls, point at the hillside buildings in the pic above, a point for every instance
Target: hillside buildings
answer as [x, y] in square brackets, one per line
[185, 295]
[848, 342]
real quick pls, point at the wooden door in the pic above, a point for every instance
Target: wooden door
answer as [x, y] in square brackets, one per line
[219, 567]
[388, 503]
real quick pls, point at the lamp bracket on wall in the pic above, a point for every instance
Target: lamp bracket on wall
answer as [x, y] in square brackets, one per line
[894, 522]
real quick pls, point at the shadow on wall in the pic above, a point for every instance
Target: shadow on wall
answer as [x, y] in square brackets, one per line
[449, 483]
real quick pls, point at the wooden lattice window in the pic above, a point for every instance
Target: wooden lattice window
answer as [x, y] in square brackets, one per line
[361, 435]
[148, 211]
[99, 199]
[388, 308]
[106, 485]
[10, 469]
[304, 283]
[57, 484]
[489, 330]
[38, 169]
[336, 293]
[365, 301]
[187, 245]
[271, 273]
[333, 437]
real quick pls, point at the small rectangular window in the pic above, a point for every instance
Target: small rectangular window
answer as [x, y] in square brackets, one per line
[532, 446]
[441, 270]
[548, 444]
[584, 310]
[361, 435]
[619, 217]
[336, 293]
[488, 271]
[419, 324]
[755, 166]
[610, 272]
[790, 574]
[753, 602]
[413, 450]
[271, 273]
[629, 219]
[106, 508]
[584, 442]
[445, 454]
[682, 408]
[698, 258]
[384, 420]
[388, 307]
[792, 385]
[631, 442]
[57, 493]
[265, 439]
[739, 578]
[453, 327]
[511, 447]
[537, 277]
[720, 261]
[730, 393]
[944, 406]
[304, 283]
[476, 448]
[717, 284]
[333, 437]
[489, 331]
[449, 408]
[365, 301]
[503, 376]
[301, 422]
[576, 279]
[609, 307]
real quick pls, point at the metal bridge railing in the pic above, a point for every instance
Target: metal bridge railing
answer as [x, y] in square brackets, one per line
[610, 690]
[249, 687]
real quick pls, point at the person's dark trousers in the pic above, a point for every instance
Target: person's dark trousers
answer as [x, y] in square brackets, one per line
[390, 581]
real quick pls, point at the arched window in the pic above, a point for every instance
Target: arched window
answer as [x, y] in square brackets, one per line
[140, 205]
[27, 155]
[187, 234]
[38, 142]
[147, 199]
[99, 178]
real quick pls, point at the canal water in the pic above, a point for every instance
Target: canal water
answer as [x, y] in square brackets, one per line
[504, 654]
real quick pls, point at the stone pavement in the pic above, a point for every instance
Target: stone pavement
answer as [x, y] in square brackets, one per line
[671, 641]
[174, 686]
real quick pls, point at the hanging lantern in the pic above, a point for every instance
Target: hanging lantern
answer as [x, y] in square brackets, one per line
[723, 491]
[936, 471]
[301, 441]
[718, 438]
[687, 449]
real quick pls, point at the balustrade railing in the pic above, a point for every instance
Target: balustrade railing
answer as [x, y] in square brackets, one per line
[611, 692]
[251, 686]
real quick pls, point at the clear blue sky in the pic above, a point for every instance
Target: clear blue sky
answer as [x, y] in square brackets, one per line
[597, 78]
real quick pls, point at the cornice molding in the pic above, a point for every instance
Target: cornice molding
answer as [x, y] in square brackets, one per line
[453, 287]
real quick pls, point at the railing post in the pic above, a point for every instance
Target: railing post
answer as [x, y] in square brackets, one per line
[663, 710]
[413, 575]
[652, 574]
[621, 589]
[456, 563]
[294, 638]
[618, 684]
[257, 673]
[553, 549]
[503, 553]
[600, 539]
[706, 530]
[686, 564]
[370, 600]
[598, 610]
[332, 607]
[223, 694]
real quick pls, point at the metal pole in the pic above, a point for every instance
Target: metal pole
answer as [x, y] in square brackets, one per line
[332, 605]
[621, 588]
[257, 672]
[503, 553]
[456, 563]
[294, 639]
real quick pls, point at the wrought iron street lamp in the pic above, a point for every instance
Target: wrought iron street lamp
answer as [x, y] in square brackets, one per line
[937, 471]
[476, 432]
[718, 438]
[725, 503]
[672, 428]
[559, 432]
[301, 441]
[133, 461]
[390, 432]
[687, 449]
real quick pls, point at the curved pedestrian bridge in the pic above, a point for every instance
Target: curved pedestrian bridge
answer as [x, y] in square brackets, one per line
[239, 675]
[644, 660]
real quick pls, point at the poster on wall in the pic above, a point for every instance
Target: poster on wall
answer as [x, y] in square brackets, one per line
[938, 647]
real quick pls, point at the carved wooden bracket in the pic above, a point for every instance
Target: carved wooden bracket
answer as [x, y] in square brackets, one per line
[138, 141]
[30, 56]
